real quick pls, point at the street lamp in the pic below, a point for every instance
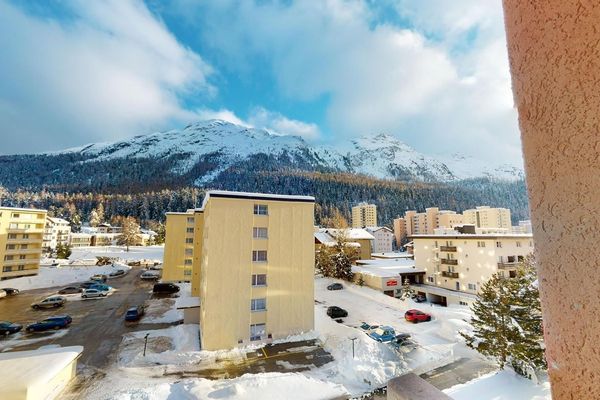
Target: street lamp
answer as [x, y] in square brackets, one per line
[353, 339]
[145, 343]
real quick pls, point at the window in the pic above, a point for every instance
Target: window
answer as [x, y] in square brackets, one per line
[430, 279]
[14, 226]
[259, 233]
[472, 286]
[261, 209]
[187, 272]
[457, 285]
[463, 303]
[188, 261]
[10, 247]
[189, 252]
[448, 242]
[258, 305]
[257, 331]
[15, 215]
[190, 220]
[259, 280]
[21, 267]
[8, 258]
[480, 244]
[25, 236]
[12, 236]
[24, 247]
[259, 256]
[499, 245]
[7, 269]
[190, 230]
[189, 240]
[22, 257]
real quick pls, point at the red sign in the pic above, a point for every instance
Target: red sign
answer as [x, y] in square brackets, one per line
[392, 283]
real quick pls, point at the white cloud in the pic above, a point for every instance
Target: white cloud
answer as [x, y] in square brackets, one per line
[273, 121]
[111, 70]
[443, 85]
[222, 114]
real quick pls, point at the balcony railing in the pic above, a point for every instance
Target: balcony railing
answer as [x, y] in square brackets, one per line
[449, 261]
[508, 265]
[448, 249]
[448, 274]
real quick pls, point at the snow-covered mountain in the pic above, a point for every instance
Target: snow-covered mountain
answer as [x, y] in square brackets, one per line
[223, 145]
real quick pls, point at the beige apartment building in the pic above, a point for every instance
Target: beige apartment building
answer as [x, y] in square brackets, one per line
[488, 217]
[252, 258]
[457, 264]
[21, 238]
[57, 231]
[364, 215]
[414, 223]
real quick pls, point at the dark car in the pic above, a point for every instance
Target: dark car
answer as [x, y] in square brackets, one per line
[419, 298]
[56, 322]
[6, 328]
[336, 312]
[401, 340]
[335, 286]
[70, 290]
[88, 284]
[10, 291]
[416, 316]
[117, 273]
[165, 288]
[134, 313]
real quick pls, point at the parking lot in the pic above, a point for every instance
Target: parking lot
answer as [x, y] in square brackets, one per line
[98, 324]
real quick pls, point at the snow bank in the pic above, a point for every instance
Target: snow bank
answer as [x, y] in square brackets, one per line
[289, 386]
[502, 385]
[135, 253]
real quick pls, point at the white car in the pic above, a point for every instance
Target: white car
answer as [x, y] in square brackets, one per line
[150, 275]
[91, 293]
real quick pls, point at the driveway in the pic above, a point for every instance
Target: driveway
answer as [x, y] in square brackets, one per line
[98, 324]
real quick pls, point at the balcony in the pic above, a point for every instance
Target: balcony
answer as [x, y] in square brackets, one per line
[32, 250]
[448, 249]
[448, 274]
[508, 265]
[449, 261]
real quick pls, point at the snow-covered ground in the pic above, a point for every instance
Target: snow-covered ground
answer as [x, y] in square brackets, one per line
[83, 267]
[175, 349]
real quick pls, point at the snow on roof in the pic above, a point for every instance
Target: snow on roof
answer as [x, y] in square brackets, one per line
[56, 220]
[23, 369]
[399, 262]
[387, 271]
[187, 302]
[324, 237]
[392, 254]
[250, 195]
[377, 228]
[23, 209]
[351, 233]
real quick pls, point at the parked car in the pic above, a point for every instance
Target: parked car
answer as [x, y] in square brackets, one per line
[335, 286]
[157, 267]
[383, 334]
[416, 316]
[134, 313]
[99, 278]
[70, 290]
[150, 275]
[101, 287]
[419, 298]
[90, 293]
[117, 273]
[165, 288]
[88, 284]
[336, 312]
[401, 340]
[11, 291]
[368, 327]
[49, 302]
[56, 322]
[2, 293]
[6, 328]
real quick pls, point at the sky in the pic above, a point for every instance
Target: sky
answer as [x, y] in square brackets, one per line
[433, 73]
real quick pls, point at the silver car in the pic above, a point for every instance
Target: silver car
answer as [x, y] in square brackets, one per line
[90, 293]
[50, 302]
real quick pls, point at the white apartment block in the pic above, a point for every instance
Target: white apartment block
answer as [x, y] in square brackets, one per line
[488, 217]
[57, 232]
[384, 239]
[457, 264]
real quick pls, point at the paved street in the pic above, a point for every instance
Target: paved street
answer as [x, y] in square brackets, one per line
[460, 371]
[98, 324]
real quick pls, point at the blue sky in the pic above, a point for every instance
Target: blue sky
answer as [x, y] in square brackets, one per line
[433, 73]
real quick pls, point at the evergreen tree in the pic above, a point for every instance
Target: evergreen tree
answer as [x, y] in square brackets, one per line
[94, 219]
[336, 260]
[63, 251]
[100, 213]
[406, 291]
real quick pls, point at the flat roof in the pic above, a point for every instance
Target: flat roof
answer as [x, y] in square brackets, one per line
[387, 271]
[187, 302]
[393, 254]
[24, 209]
[475, 236]
[257, 196]
[440, 291]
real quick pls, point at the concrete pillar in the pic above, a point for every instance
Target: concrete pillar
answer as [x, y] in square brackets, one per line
[554, 51]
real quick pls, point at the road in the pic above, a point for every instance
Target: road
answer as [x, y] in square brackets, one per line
[98, 324]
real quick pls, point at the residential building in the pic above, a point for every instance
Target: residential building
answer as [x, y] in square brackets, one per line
[414, 223]
[388, 275]
[56, 232]
[364, 215]
[400, 231]
[108, 228]
[458, 261]
[523, 227]
[488, 217]
[80, 239]
[179, 246]
[21, 239]
[356, 237]
[384, 239]
[252, 265]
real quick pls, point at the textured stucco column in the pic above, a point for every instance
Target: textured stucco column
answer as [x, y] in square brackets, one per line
[554, 51]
